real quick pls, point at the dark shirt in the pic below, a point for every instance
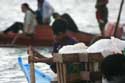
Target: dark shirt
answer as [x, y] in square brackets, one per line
[67, 41]
[58, 45]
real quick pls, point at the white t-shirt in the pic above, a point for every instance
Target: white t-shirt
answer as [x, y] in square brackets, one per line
[47, 10]
[29, 22]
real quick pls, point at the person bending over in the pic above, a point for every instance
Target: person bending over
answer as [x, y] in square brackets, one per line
[61, 39]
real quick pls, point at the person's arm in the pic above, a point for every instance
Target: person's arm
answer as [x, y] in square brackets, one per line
[36, 59]
[45, 60]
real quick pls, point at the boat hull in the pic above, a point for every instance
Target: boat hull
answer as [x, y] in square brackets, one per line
[43, 37]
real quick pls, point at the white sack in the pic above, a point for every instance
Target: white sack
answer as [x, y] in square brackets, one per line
[76, 48]
[107, 46]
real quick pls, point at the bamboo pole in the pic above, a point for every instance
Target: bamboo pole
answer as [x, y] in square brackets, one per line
[118, 19]
[58, 73]
[32, 71]
[64, 73]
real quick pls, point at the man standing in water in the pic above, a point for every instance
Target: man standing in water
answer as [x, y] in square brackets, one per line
[102, 14]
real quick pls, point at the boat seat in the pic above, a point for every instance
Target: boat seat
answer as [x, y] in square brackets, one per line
[78, 68]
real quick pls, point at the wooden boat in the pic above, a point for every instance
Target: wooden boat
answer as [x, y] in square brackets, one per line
[43, 37]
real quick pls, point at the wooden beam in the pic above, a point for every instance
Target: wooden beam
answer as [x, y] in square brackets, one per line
[32, 70]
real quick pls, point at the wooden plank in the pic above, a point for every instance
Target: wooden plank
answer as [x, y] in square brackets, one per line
[69, 58]
[88, 63]
[64, 73]
[54, 81]
[95, 57]
[58, 73]
[61, 73]
[83, 57]
[85, 75]
[73, 77]
[32, 70]
[93, 76]
[57, 58]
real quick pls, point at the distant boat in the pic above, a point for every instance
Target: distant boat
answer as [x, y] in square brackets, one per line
[39, 75]
[43, 37]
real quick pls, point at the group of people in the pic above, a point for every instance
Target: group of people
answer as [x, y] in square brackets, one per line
[112, 67]
[41, 16]
[60, 26]
[32, 18]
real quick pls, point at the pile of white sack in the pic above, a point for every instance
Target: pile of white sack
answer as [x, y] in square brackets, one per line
[104, 46]
[76, 48]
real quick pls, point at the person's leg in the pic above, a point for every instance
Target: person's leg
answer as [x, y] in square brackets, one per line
[14, 27]
[104, 13]
[102, 27]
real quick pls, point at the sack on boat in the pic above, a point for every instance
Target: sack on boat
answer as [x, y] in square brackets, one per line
[72, 68]
[76, 48]
[107, 46]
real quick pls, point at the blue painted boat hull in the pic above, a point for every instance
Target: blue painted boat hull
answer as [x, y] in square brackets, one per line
[39, 75]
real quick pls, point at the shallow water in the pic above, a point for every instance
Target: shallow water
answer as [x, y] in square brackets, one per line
[82, 11]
